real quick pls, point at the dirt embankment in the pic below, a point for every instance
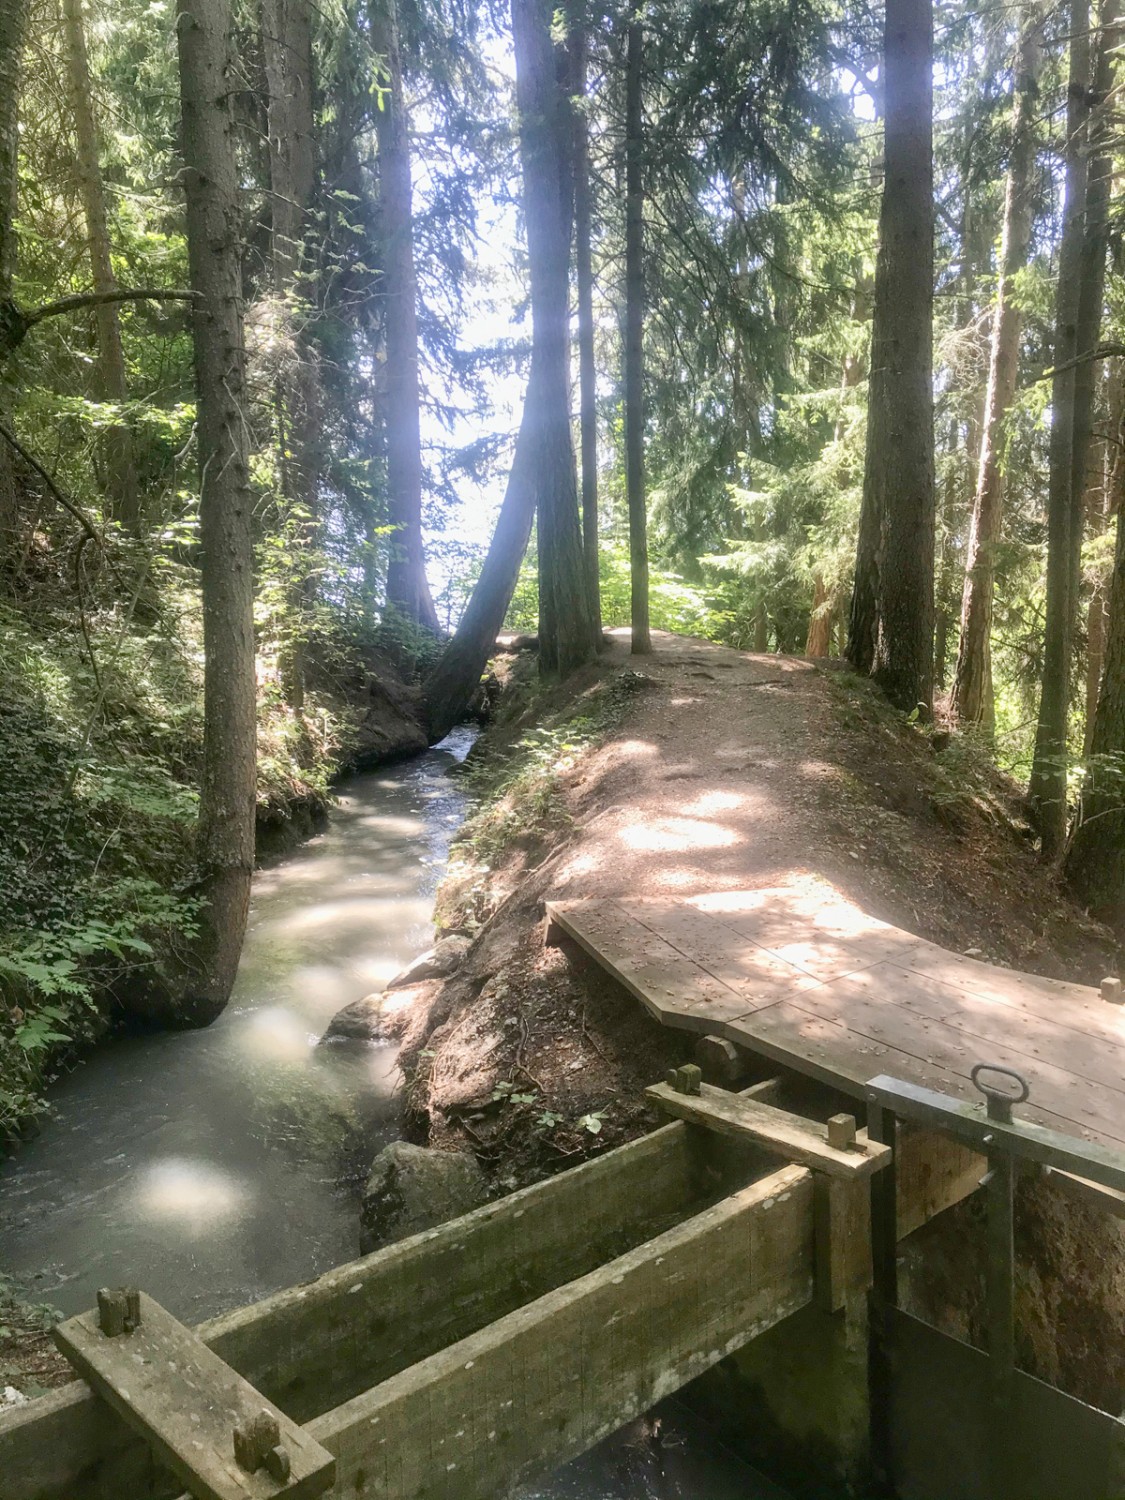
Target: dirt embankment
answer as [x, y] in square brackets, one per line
[724, 771]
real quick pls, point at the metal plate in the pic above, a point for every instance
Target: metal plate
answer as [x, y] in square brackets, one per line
[1061, 1449]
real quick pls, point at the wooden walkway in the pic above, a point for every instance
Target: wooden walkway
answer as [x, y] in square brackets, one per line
[804, 978]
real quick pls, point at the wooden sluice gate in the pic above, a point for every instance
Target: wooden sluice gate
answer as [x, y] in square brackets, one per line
[489, 1350]
[757, 1230]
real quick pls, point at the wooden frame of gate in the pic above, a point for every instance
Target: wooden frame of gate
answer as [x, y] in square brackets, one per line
[949, 1419]
[467, 1358]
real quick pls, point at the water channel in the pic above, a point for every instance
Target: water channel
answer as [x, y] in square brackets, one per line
[215, 1167]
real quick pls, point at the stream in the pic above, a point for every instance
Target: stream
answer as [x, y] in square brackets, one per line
[215, 1167]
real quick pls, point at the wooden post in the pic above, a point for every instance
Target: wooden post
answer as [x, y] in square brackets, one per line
[719, 1060]
[1112, 991]
[119, 1310]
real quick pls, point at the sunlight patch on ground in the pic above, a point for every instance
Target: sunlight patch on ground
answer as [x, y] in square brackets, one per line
[633, 750]
[677, 836]
[803, 897]
[709, 803]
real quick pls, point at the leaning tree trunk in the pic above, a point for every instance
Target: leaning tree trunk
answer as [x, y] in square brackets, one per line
[971, 699]
[408, 590]
[13, 22]
[451, 685]
[288, 54]
[634, 344]
[225, 836]
[899, 469]
[117, 443]
[567, 637]
[587, 367]
[1047, 788]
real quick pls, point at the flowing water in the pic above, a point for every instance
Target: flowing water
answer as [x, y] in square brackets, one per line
[215, 1167]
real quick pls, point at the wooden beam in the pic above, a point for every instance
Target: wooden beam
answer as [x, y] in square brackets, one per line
[192, 1409]
[801, 1140]
[1106, 1199]
[312, 1347]
[549, 1381]
[843, 1239]
[933, 1171]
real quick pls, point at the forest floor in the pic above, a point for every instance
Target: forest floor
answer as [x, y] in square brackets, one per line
[723, 771]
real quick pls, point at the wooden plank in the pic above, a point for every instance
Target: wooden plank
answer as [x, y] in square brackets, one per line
[933, 1171]
[1060, 1099]
[1106, 1200]
[843, 1239]
[1074, 1005]
[312, 1347]
[801, 1140]
[667, 984]
[812, 928]
[549, 1381]
[1042, 1040]
[759, 976]
[186, 1403]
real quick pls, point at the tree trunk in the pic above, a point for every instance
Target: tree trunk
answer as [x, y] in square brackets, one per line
[225, 836]
[116, 444]
[566, 632]
[634, 344]
[291, 127]
[971, 699]
[587, 368]
[1047, 790]
[1099, 502]
[454, 680]
[818, 641]
[13, 22]
[899, 469]
[408, 590]
[1095, 859]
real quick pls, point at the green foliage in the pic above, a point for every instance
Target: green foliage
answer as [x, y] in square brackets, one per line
[518, 791]
[94, 840]
[674, 603]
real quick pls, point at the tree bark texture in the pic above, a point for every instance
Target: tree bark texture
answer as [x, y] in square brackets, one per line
[587, 365]
[291, 126]
[225, 836]
[634, 343]
[971, 699]
[408, 590]
[818, 641]
[1047, 788]
[117, 444]
[899, 467]
[1095, 858]
[13, 24]
[566, 631]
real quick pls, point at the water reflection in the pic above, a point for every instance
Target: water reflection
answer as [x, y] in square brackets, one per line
[207, 1166]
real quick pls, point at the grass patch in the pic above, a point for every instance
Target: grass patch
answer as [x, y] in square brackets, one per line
[518, 789]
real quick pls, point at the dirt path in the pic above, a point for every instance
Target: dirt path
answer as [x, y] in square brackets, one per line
[733, 771]
[730, 771]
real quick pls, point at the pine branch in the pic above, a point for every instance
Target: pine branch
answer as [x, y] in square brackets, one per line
[15, 324]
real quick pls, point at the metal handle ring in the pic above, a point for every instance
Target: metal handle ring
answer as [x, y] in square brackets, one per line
[998, 1100]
